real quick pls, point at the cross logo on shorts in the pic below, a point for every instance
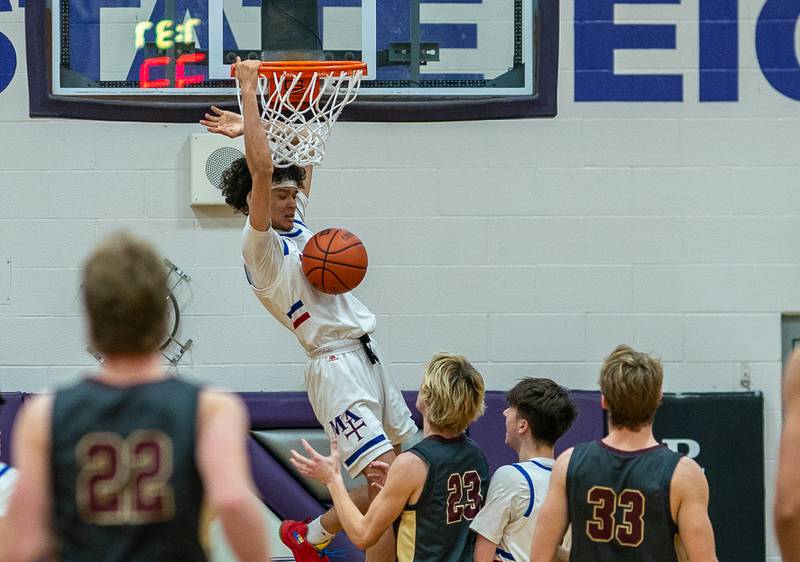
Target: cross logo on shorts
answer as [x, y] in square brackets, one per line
[348, 423]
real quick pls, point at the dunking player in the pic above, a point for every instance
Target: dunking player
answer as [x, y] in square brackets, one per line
[787, 497]
[353, 396]
[437, 487]
[116, 466]
[626, 496]
[539, 412]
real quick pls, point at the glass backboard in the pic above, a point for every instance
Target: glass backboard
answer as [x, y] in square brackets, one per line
[179, 51]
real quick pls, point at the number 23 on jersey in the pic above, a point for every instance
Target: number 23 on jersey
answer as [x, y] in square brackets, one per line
[464, 499]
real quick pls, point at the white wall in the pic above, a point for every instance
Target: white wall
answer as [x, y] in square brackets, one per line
[531, 246]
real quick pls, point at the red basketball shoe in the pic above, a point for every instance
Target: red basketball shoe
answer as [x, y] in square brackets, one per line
[293, 535]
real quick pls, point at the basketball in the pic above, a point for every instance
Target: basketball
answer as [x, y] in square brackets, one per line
[334, 261]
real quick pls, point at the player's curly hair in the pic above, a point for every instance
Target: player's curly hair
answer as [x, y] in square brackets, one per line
[237, 182]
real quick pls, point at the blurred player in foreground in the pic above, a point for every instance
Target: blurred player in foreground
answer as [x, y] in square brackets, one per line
[626, 496]
[116, 467]
[436, 488]
[787, 497]
[539, 412]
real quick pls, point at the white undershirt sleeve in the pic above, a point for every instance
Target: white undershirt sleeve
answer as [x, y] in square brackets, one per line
[263, 254]
[7, 483]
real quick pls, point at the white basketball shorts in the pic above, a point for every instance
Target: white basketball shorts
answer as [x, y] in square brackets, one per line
[358, 403]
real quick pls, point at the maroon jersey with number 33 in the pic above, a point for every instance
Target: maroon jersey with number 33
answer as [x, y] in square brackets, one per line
[619, 503]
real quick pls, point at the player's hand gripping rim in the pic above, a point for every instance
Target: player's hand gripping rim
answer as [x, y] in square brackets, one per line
[316, 466]
[247, 72]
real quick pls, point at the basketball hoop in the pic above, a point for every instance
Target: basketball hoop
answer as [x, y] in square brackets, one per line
[300, 102]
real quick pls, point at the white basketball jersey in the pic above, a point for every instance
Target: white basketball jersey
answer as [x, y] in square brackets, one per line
[8, 478]
[513, 502]
[273, 269]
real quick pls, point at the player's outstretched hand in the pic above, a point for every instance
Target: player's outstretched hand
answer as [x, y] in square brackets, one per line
[376, 474]
[223, 122]
[316, 466]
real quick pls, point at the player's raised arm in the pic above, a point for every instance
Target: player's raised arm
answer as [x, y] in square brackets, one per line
[690, 489]
[306, 189]
[224, 467]
[554, 517]
[26, 531]
[787, 497]
[256, 147]
[406, 474]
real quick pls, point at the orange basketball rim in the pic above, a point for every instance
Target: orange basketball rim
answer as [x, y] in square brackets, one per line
[300, 101]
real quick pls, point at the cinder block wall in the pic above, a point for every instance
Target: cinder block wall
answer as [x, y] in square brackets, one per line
[531, 246]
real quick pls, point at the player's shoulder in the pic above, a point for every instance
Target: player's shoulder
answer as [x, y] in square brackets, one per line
[564, 457]
[509, 474]
[213, 400]
[509, 481]
[688, 469]
[688, 478]
[8, 476]
[410, 460]
[35, 419]
[409, 468]
[38, 407]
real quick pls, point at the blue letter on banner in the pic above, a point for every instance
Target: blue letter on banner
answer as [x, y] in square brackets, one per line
[775, 46]
[8, 61]
[719, 50]
[596, 38]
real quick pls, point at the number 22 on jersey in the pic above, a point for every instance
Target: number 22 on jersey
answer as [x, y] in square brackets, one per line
[124, 481]
[604, 527]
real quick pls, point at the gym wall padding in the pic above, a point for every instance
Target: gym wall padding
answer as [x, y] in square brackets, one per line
[726, 433]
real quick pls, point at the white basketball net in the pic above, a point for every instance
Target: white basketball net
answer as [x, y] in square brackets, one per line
[298, 129]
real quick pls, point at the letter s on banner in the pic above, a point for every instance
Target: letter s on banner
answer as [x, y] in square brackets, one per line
[8, 61]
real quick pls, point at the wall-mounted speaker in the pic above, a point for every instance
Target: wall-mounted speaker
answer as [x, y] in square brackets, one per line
[211, 155]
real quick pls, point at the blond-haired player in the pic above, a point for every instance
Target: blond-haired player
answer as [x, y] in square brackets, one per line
[116, 466]
[626, 496]
[436, 487]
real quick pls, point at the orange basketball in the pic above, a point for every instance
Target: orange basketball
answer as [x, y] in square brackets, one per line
[334, 261]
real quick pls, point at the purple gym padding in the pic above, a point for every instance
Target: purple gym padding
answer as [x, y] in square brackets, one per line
[279, 410]
[289, 499]
[8, 414]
